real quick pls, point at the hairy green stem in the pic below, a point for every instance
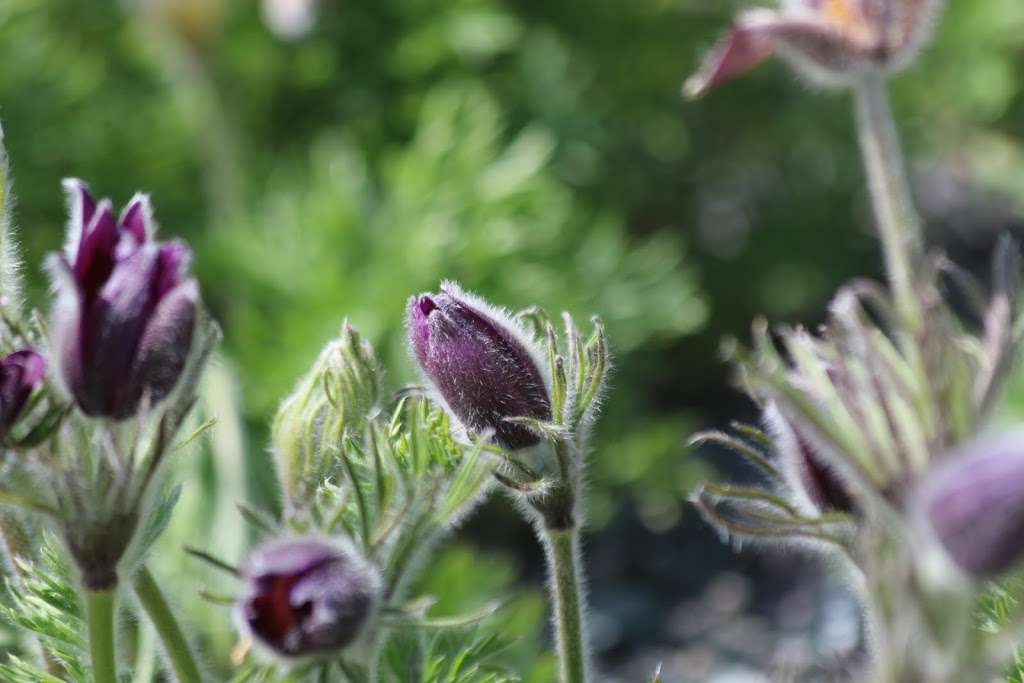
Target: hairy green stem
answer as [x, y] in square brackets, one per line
[563, 560]
[167, 627]
[99, 611]
[898, 224]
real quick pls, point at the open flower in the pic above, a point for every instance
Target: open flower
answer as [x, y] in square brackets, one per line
[305, 596]
[126, 307]
[20, 373]
[479, 363]
[826, 40]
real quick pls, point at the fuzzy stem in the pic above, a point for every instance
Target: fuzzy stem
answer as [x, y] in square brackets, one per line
[563, 556]
[898, 224]
[99, 610]
[167, 627]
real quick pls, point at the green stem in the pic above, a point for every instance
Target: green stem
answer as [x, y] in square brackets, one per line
[563, 556]
[898, 224]
[173, 638]
[99, 610]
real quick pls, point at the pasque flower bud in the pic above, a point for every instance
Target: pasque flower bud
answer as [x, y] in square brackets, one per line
[481, 365]
[20, 373]
[975, 505]
[333, 398]
[126, 307]
[305, 596]
[827, 40]
[803, 466]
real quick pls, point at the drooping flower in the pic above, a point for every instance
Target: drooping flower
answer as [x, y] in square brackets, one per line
[826, 40]
[975, 505]
[20, 373]
[304, 596]
[126, 306]
[480, 364]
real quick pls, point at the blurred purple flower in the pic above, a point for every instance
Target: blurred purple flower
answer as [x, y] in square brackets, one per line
[975, 505]
[126, 306]
[825, 39]
[304, 596]
[20, 373]
[479, 363]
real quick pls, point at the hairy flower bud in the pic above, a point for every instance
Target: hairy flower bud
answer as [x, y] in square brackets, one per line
[20, 373]
[481, 365]
[305, 596]
[975, 505]
[827, 40]
[126, 307]
[803, 467]
[335, 396]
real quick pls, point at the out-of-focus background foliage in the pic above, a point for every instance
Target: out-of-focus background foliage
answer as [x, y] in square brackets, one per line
[328, 159]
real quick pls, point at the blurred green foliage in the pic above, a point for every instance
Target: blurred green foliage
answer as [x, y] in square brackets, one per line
[537, 151]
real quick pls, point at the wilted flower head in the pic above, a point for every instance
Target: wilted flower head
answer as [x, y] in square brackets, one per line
[480, 364]
[975, 505]
[828, 40]
[126, 306]
[305, 596]
[20, 373]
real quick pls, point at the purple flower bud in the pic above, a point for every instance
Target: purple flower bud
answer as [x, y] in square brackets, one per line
[975, 505]
[304, 596]
[20, 373]
[804, 469]
[829, 40]
[126, 307]
[479, 363]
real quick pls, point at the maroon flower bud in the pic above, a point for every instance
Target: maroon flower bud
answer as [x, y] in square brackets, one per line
[975, 505]
[304, 596]
[828, 40]
[803, 467]
[479, 363]
[20, 373]
[126, 307]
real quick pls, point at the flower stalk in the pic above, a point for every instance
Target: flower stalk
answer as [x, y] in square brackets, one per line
[563, 563]
[898, 224]
[176, 646]
[99, 610]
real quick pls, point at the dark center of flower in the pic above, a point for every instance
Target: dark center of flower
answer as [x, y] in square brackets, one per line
[427, 305]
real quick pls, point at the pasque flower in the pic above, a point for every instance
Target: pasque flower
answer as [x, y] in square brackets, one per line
[126, 306]
[975, 505]
[828, 40]
[479, 363]
[804, 469]
[305, 596]
[20, 373]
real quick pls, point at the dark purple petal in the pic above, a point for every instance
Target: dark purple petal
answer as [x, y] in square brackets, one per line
[165, 343]
[304, 596]
[20, 373]
[136, 217]
[478, 365]
[174, 259]
[96, 255]
[975, 505]
[111, 330]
